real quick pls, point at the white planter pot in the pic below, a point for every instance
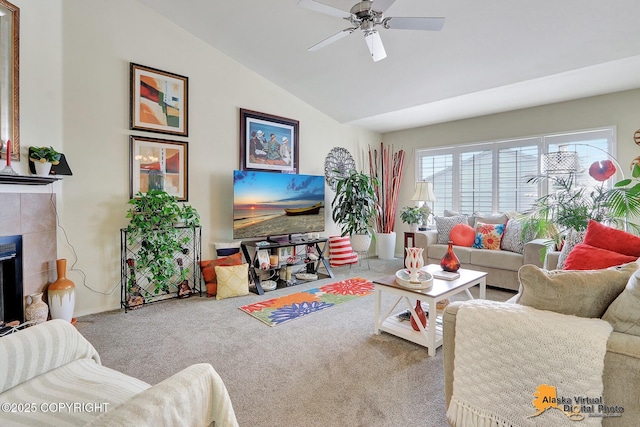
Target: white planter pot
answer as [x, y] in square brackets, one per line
[386, 245]
[360, 242]
[413, 228]
[42, 169]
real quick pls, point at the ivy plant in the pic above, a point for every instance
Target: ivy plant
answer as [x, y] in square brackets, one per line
[152, 222]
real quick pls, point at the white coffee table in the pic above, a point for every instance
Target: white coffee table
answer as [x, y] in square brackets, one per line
[429, 336]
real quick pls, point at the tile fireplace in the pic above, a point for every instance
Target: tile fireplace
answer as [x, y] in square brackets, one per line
[29, 218]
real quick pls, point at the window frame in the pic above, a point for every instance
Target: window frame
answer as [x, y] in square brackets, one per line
[542, 141]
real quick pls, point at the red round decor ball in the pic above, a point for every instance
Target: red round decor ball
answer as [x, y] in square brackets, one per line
[462, 235]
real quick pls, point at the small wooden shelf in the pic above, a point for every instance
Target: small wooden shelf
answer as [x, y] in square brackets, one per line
[28, 179]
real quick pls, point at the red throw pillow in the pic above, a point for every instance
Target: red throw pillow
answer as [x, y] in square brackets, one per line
[602, 236]
[587, 257]
[462, 235]
[208, 269]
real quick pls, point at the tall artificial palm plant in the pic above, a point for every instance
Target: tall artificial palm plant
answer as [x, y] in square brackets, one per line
[571, 206]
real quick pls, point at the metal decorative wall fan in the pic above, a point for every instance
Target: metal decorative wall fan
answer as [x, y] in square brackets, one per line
[365, 18]
[338, 164]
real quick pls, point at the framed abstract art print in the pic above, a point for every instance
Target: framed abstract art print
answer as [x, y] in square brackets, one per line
[158, 101]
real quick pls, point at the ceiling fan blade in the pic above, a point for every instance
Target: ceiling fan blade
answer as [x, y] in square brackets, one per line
[428, 24]
[374, 43]
[333, 38]
[323, 8]
[382, 5]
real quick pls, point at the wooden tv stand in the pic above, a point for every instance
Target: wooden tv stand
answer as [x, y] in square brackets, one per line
[320, 245]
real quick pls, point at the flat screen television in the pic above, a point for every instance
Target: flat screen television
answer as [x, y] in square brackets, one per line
[268, 204]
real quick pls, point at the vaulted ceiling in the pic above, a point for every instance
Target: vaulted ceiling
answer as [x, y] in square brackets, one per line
[490, 56]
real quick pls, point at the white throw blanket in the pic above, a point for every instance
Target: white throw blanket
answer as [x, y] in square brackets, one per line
[505, 352]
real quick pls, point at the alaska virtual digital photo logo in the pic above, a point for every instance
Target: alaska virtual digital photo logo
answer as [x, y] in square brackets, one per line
[575, 408]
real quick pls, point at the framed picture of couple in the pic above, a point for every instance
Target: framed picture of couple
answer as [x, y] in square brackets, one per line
[268, 142]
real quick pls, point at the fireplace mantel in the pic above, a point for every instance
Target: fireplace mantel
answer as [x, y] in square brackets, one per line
[28, 179]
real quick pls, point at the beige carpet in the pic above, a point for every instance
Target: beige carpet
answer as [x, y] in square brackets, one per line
[328, 369]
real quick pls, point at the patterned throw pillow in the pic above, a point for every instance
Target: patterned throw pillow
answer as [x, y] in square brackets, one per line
[233, 281]
[573, 238]
[488, 236]
[340, 251]
[445, 224]
[209, 273]
[512, 239]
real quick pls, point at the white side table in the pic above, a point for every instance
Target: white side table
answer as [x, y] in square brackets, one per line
[431, 336]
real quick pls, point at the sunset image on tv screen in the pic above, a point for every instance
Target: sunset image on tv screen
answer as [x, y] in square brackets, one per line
[274, 204]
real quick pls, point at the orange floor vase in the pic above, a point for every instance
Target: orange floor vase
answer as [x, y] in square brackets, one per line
[62, 294]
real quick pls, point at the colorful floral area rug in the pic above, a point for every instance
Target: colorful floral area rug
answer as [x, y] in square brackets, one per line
[279, 310]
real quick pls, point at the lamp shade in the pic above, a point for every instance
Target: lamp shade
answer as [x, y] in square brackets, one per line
[424, 192]
[560, 162]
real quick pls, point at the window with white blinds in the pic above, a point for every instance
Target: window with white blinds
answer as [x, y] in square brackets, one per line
[476, 181]
[516, 161]
[495, 176]
[439, 168]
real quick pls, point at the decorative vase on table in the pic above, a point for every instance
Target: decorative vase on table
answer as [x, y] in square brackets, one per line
[421, 315]
[37, 310]
[62, 294]
[450, 261]
[414, 262]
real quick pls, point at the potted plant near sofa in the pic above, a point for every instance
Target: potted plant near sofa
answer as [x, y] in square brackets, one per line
[354, 207]
[153, 217]
[414, 216]
[565, 213]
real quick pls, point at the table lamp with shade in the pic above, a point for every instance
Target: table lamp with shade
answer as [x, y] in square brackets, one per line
[424, 193]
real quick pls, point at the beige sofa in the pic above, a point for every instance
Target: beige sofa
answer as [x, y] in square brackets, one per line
[502, 266]
[50, 375]
[621, 376]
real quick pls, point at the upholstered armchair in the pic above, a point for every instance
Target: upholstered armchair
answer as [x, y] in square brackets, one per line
[607, 300]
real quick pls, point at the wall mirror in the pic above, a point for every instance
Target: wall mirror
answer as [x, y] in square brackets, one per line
[9, 79]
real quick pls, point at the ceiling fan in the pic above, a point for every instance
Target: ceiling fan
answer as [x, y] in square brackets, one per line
[362, 16]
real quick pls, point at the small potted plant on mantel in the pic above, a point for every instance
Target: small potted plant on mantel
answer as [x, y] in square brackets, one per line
[43, 158]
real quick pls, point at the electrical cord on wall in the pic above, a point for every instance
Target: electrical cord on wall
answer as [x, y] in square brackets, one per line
[73, 250]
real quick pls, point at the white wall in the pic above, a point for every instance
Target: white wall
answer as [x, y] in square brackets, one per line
[75, 96]
[620, 109]
[74, 92]
[40, 85]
